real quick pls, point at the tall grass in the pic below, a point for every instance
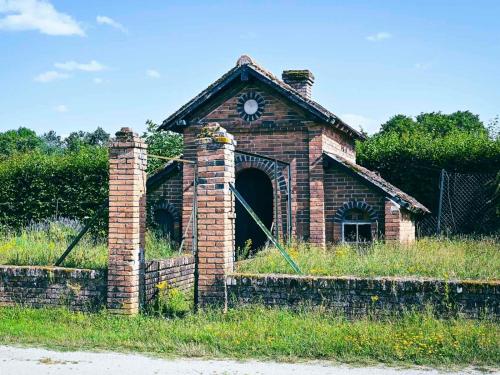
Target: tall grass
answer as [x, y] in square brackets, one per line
[44, 242]
[440, 258]
[258, 332]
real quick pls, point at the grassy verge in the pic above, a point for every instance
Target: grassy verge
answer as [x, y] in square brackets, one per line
[263, 333]
[440, 258]
[43, 244]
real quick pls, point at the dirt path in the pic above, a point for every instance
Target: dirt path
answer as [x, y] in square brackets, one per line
[29, 361]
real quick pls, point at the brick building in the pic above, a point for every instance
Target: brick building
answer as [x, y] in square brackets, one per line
[295, 165]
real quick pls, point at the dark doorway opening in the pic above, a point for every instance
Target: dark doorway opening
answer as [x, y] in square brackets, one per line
[257, 190]
[166, 223]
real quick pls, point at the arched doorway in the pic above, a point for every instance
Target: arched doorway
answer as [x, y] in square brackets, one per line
[257, 189]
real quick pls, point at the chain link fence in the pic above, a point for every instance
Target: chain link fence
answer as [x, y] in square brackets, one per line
[465, 206]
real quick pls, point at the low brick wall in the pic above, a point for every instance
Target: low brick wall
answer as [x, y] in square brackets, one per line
[77, 289]
[177, 272]
[360, 296]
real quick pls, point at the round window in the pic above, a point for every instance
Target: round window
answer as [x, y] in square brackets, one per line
[250, 106]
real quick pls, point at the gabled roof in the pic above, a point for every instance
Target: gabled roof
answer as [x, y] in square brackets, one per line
[244, 69]
[374, 180]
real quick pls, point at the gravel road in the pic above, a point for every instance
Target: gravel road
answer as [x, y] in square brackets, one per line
[29, 361]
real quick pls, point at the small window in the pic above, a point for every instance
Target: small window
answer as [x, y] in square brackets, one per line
[355, 214]
[356, 227]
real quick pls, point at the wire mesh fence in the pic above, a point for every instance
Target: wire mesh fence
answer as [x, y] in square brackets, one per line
[464, 207]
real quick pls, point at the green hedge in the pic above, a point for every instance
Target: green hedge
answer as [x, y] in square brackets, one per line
[35, 186]
[412, 162]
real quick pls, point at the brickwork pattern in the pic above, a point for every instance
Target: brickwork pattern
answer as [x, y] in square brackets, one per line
[282, 132]
[216, 215]
[399, 226]
[244, 161]
[356, 297]
[342, 188]
[176, 272]
[316, 188]
[285, 132]
[76, 289]
[168, 196]
[127, 216]
[339, 144]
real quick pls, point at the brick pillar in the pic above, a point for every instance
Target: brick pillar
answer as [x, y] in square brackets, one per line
[127, 221]
[316, 188]
[216, 214]
[399, 225]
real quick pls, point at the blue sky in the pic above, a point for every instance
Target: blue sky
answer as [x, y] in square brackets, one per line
[75, 65]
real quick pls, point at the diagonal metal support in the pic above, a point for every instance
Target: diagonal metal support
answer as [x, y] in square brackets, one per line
[265, 230]
[82, 233]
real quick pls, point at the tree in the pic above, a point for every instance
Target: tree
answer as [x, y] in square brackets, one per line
[161, 143]
[441, 124]
[79, 139]
[435, 123]
[399, 124]
[53, 142]
[410, 152]
[97, 138]
[20, 140]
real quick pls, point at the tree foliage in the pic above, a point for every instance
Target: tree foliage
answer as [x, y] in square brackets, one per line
[37, 185]
[43, 176]
[435, 123]
[79, 139]
[20, 140]
[26, 140]
[161, 143]
[411, 152]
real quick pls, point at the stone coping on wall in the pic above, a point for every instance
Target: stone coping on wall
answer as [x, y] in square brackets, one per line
[46, 286]
[357, 296]
[288, 277]
[180, 260]
[92, 273]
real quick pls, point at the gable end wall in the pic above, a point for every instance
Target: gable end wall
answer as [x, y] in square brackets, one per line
[341, 187]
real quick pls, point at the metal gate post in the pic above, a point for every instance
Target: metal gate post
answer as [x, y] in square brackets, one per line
[276, 211]
[441, 188]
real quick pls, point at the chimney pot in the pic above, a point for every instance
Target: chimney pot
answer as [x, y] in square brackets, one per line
[300, 80]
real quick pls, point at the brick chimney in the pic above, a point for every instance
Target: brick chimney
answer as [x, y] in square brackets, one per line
[300, 80]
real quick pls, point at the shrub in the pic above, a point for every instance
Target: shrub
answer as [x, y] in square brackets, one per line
[36, 186]
[410, 153]
[170, 302]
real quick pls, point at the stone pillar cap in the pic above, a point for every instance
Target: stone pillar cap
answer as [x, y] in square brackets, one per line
[213, 132]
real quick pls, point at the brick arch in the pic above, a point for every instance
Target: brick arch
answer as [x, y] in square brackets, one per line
[360, 205]
[162, 204]
[242, 161]
[169, 207]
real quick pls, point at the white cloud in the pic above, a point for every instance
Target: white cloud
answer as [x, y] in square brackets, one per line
[61, 108]
[92, 66]
[103, 20]
[98, 81]
[37, 15]
[153, 73]
[423, 65]
[379, 36]
[51, 75]
[358, 121]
